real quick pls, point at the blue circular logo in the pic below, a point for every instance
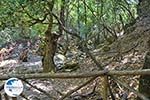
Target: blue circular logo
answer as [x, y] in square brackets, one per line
[13, 87]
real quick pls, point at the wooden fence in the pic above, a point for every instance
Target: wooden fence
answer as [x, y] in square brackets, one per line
[93, 75]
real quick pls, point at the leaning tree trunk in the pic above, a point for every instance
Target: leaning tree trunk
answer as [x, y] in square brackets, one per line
[49, 45]
[144, 24]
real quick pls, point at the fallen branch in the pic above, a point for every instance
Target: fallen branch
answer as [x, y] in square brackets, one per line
[86, 50]
[76, 75]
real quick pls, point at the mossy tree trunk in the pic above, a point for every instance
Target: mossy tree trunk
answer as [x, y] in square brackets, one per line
[49, 46]
[144, 82]
[144, 17]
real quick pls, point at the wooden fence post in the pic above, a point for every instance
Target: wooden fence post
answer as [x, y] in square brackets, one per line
[105, 84]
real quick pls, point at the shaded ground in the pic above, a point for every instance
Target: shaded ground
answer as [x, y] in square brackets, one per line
[57, 88]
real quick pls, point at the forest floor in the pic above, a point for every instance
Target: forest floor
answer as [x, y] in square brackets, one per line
[59, 87]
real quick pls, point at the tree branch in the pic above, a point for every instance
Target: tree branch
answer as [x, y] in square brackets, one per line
[76, 35]
[64, 28]
[33, 20]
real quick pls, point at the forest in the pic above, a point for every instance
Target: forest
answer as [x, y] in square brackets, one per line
[74, 49]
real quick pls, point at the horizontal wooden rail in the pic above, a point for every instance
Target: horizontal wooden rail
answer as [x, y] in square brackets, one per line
[75, 75]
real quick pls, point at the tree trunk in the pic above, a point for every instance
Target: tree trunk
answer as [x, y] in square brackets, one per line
[49, 45]
[144, 82]
[144, 8]
[47, 61]
[144, 17]
[62, 16]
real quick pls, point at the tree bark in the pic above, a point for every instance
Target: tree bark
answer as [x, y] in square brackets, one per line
[144, 8]
[62, 16]
[49, 45]
[144, 16]
[144, 82]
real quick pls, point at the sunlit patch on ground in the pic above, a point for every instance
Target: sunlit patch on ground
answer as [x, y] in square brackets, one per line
[8, 63]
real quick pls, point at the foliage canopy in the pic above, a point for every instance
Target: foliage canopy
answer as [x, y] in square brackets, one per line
[95, 20]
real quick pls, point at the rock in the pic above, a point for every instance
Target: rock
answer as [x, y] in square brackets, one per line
[59, 60]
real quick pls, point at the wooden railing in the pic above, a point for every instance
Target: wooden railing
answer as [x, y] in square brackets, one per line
[105, 74]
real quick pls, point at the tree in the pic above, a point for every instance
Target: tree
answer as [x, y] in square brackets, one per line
[144, 20]
[28, 14]
[96, 21]
[139, 31]
[96, 24]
